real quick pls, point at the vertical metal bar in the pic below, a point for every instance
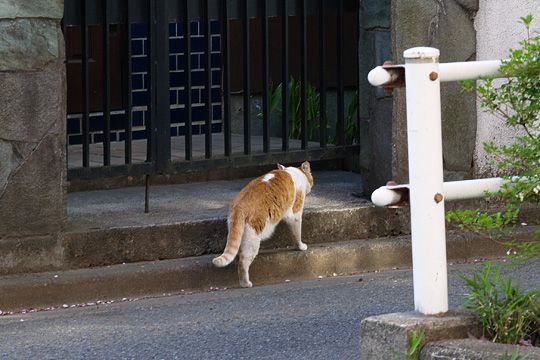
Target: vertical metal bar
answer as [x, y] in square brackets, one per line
[106, 86]
[226, 69]
[161, 123]
[66, 46]
[265, 73]
[150, 113]
[187, 76]
[340, 126]
[247, 103]
[303, 76]
[128, 100]
[322, 74]
[426, 180]
[85, 86]
[285, 77]
[357, 93]
[147, 193]
[208, 66]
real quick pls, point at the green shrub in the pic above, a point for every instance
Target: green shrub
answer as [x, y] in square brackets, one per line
[507, 315]
[517, 102]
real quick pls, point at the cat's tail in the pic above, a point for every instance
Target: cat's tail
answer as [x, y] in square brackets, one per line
[236, 230]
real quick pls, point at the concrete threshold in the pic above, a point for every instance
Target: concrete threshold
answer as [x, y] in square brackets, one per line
[158, 278]
[187, 220]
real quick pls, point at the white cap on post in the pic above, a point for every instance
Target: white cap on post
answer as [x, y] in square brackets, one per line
[421, 53]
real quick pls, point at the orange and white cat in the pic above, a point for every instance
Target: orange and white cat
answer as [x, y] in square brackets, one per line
[258, 208]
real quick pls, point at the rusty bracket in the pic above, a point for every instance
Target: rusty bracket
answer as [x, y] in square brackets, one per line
[398, 76]
[403, 190]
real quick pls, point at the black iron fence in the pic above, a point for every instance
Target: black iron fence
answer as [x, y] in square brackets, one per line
[303, 118]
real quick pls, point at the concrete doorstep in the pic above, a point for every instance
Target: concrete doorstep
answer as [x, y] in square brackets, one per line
[447, 337]
[157, 278]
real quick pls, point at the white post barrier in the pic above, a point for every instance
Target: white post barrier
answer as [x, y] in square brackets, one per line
[427, 191]
[426, 180]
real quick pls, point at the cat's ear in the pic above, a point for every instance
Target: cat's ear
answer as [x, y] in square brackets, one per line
[306, 168]
[280, 167]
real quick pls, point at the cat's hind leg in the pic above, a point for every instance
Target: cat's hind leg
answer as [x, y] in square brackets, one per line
[248, 251]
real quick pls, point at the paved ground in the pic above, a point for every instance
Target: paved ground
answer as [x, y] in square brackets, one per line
[307, 320]
[170, 204]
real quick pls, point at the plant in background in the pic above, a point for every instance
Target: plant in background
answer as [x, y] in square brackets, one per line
[507, 314]
[295, 110]
[352, 127]
[313, 111]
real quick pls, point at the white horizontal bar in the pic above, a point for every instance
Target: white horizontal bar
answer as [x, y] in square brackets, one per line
[454, 71]
[380, 76]
[469, 70]
[384, 196]
[452, 190]
[471, 189]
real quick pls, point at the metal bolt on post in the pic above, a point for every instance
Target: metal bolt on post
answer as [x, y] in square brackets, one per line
[426, 180]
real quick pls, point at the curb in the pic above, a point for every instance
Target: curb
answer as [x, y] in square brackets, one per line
[51, 289]
[101, 247]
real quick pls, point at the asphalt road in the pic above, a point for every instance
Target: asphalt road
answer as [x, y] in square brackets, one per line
[316, 319]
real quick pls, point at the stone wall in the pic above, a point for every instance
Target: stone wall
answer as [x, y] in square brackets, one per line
[497, 31]
[376, 118]
[446, 25]
[32, 135]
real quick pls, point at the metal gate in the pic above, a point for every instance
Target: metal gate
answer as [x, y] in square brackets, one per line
[293, 122]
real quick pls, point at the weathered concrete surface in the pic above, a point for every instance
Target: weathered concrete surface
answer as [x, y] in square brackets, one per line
[429, 23]
[105, 247]
[375, 14]
[497, 31]
[32, 135]
[376, 118]
[28, 44]
[109, 227]
[31, 253]
[271, 266]
[172, 204]
[472, 349]
[47, 9]
[384, 335]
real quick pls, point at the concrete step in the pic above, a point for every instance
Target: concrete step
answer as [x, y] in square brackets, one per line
[110, 227]
[188, 220]
[157, 278]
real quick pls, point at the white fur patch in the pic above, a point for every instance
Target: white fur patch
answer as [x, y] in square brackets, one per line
[268, 177]
[299, 179]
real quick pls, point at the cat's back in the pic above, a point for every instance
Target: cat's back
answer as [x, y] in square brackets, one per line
[273, 188]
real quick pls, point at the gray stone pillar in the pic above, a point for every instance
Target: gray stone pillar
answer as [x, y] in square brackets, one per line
[32, 135]
[376, 119]
[448, 26]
